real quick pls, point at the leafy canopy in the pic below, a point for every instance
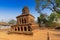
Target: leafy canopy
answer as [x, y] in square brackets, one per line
[53, 5]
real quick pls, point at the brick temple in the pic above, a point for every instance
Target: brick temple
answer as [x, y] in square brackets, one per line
[25, 23]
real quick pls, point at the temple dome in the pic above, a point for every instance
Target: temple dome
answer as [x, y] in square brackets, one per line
[25, 10]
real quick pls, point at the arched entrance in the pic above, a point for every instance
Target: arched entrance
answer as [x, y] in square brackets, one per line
[29, 28]
[15, 29]
[21, 28]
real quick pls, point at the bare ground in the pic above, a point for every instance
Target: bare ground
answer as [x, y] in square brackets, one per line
[38, 34]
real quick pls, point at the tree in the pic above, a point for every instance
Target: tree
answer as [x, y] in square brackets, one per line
[51, 17]
[50, 22]
[47, 20]
[42, 19]
[53, 5]
[57, 17]
[12, 21]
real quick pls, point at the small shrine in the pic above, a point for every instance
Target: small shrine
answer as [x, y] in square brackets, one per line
[25, 23]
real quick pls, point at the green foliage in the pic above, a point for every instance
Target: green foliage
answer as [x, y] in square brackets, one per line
[12, 21]
[58, 3]
[52, 17]
[39, 21]
[42, 4]
[58, 15]
[42, 18]
[47, 20]
[50, 24]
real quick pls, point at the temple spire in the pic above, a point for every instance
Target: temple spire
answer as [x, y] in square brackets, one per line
[25, 10]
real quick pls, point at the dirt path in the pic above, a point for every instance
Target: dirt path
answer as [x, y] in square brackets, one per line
[37, 35]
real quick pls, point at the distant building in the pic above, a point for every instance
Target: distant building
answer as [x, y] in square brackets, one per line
[4, 25]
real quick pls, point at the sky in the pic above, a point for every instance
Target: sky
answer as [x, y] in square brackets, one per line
[9, 9]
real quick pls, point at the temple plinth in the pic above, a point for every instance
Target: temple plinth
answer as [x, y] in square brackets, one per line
[25, 23]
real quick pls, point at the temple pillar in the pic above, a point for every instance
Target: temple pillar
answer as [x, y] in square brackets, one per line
[17, 29]
[21, 20]
[23, 29]
[20, 28]
[18, 21]
[27, 28]
[14, 28]
[26, 21]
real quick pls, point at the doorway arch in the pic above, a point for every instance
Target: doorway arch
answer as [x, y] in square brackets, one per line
[25, 29]
[15, 29]
[29, 28]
